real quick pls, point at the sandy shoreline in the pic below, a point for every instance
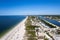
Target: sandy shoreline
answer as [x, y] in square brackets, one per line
[16, 33]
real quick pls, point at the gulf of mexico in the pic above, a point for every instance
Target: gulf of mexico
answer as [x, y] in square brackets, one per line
[8, 22]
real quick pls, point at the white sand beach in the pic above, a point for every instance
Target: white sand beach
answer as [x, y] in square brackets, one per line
[16, 33]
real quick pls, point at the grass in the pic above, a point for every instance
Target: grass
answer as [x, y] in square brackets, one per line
[45, 38]
[30, 34]
[31, 38]
[29, 29]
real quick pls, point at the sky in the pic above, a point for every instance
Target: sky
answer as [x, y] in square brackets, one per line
[29, 7]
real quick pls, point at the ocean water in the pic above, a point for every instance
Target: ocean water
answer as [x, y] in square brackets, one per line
[7, 22]
[51, 21]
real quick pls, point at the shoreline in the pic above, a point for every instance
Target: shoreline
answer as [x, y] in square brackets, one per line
[18, 31]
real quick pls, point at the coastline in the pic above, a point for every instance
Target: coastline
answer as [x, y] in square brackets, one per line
[7, 23]
[17, 32]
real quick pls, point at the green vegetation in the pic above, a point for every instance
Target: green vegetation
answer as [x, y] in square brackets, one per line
[31, 38]
[30, 30]
[30, 27]
[30, 33]
[45, 38]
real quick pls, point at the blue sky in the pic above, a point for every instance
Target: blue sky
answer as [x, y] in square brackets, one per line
[29, 7]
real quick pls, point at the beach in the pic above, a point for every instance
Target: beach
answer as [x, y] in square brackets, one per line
[16, 33]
